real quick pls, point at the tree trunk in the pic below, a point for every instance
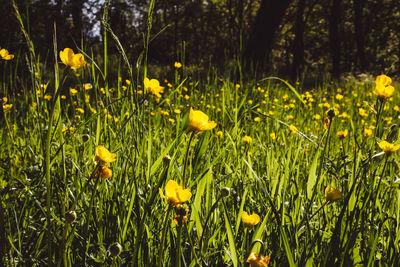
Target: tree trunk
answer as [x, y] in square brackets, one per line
[76, 13]
[358, 6]
[334, 41]
[298, 45]
[260, 42]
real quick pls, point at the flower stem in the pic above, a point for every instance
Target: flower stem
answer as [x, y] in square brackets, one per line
[192, 245]
[186, 160]
[323, 205]
[178, 246]
[164, 233]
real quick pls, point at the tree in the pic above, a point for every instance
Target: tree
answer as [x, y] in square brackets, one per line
[298, 44]
[260, 42]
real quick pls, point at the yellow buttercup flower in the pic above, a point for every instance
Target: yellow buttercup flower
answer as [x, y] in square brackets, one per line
[5, 54]
[250, 220]
[175, 194]
[383, 89]
[247, 139]
[383, 80]
[177, 65]
[342, 134]
[69, 58]
[153, 87]
[103, 156]
[198, 122]
[293, 129]
[388, 148]
[258, 260]
[7, 107]
[367, 132]
[332, 194]
[220, 133]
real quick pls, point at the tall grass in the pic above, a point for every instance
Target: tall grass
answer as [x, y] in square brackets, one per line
[53, 210]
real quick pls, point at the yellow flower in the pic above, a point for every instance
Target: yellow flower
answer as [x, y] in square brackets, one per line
[332, 194]
[69, 58]
[317, 117]
[383, 80]
[257, 119]
[198, 122]
[47, 97]
[153, 87]
[177, 65]
[5, 54]
[383, 92]
[177, 111]
[388, 148]
[80, 110]
[103, 156]
[342, 134]
[220, 133]
[128, 82]
[293, 129]
[339, 97]
[247, 139]
[383, 89]
[362, 112]
[258, 260]
[250, 220]
[273, 136]
[87, 86]
[7, 106]
[367, 132]
[175, 194]
[5, 99]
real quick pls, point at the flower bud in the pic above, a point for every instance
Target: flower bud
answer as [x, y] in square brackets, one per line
[225, 191]
[115, 249]
[70, 217]
[166, 159]
[85, 138]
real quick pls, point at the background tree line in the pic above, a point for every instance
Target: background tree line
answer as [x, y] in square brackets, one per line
[287, 37]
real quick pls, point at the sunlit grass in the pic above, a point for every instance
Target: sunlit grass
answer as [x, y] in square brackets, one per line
[164, 171]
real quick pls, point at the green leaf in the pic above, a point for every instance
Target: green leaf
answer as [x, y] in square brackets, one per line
[232, 248]
[312, 176]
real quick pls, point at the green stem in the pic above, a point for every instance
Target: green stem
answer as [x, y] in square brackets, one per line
[178, 244]
[379, 184]
[323, 205]
[164, 233]
[245, 244]
[186, 160]
[192, 245]
[48, 187]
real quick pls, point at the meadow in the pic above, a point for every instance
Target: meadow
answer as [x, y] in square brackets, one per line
[170, 170]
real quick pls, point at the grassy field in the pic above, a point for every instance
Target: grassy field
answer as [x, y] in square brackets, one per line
[99, 171]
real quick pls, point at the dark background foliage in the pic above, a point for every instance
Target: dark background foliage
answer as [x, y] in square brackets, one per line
[287, 37]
